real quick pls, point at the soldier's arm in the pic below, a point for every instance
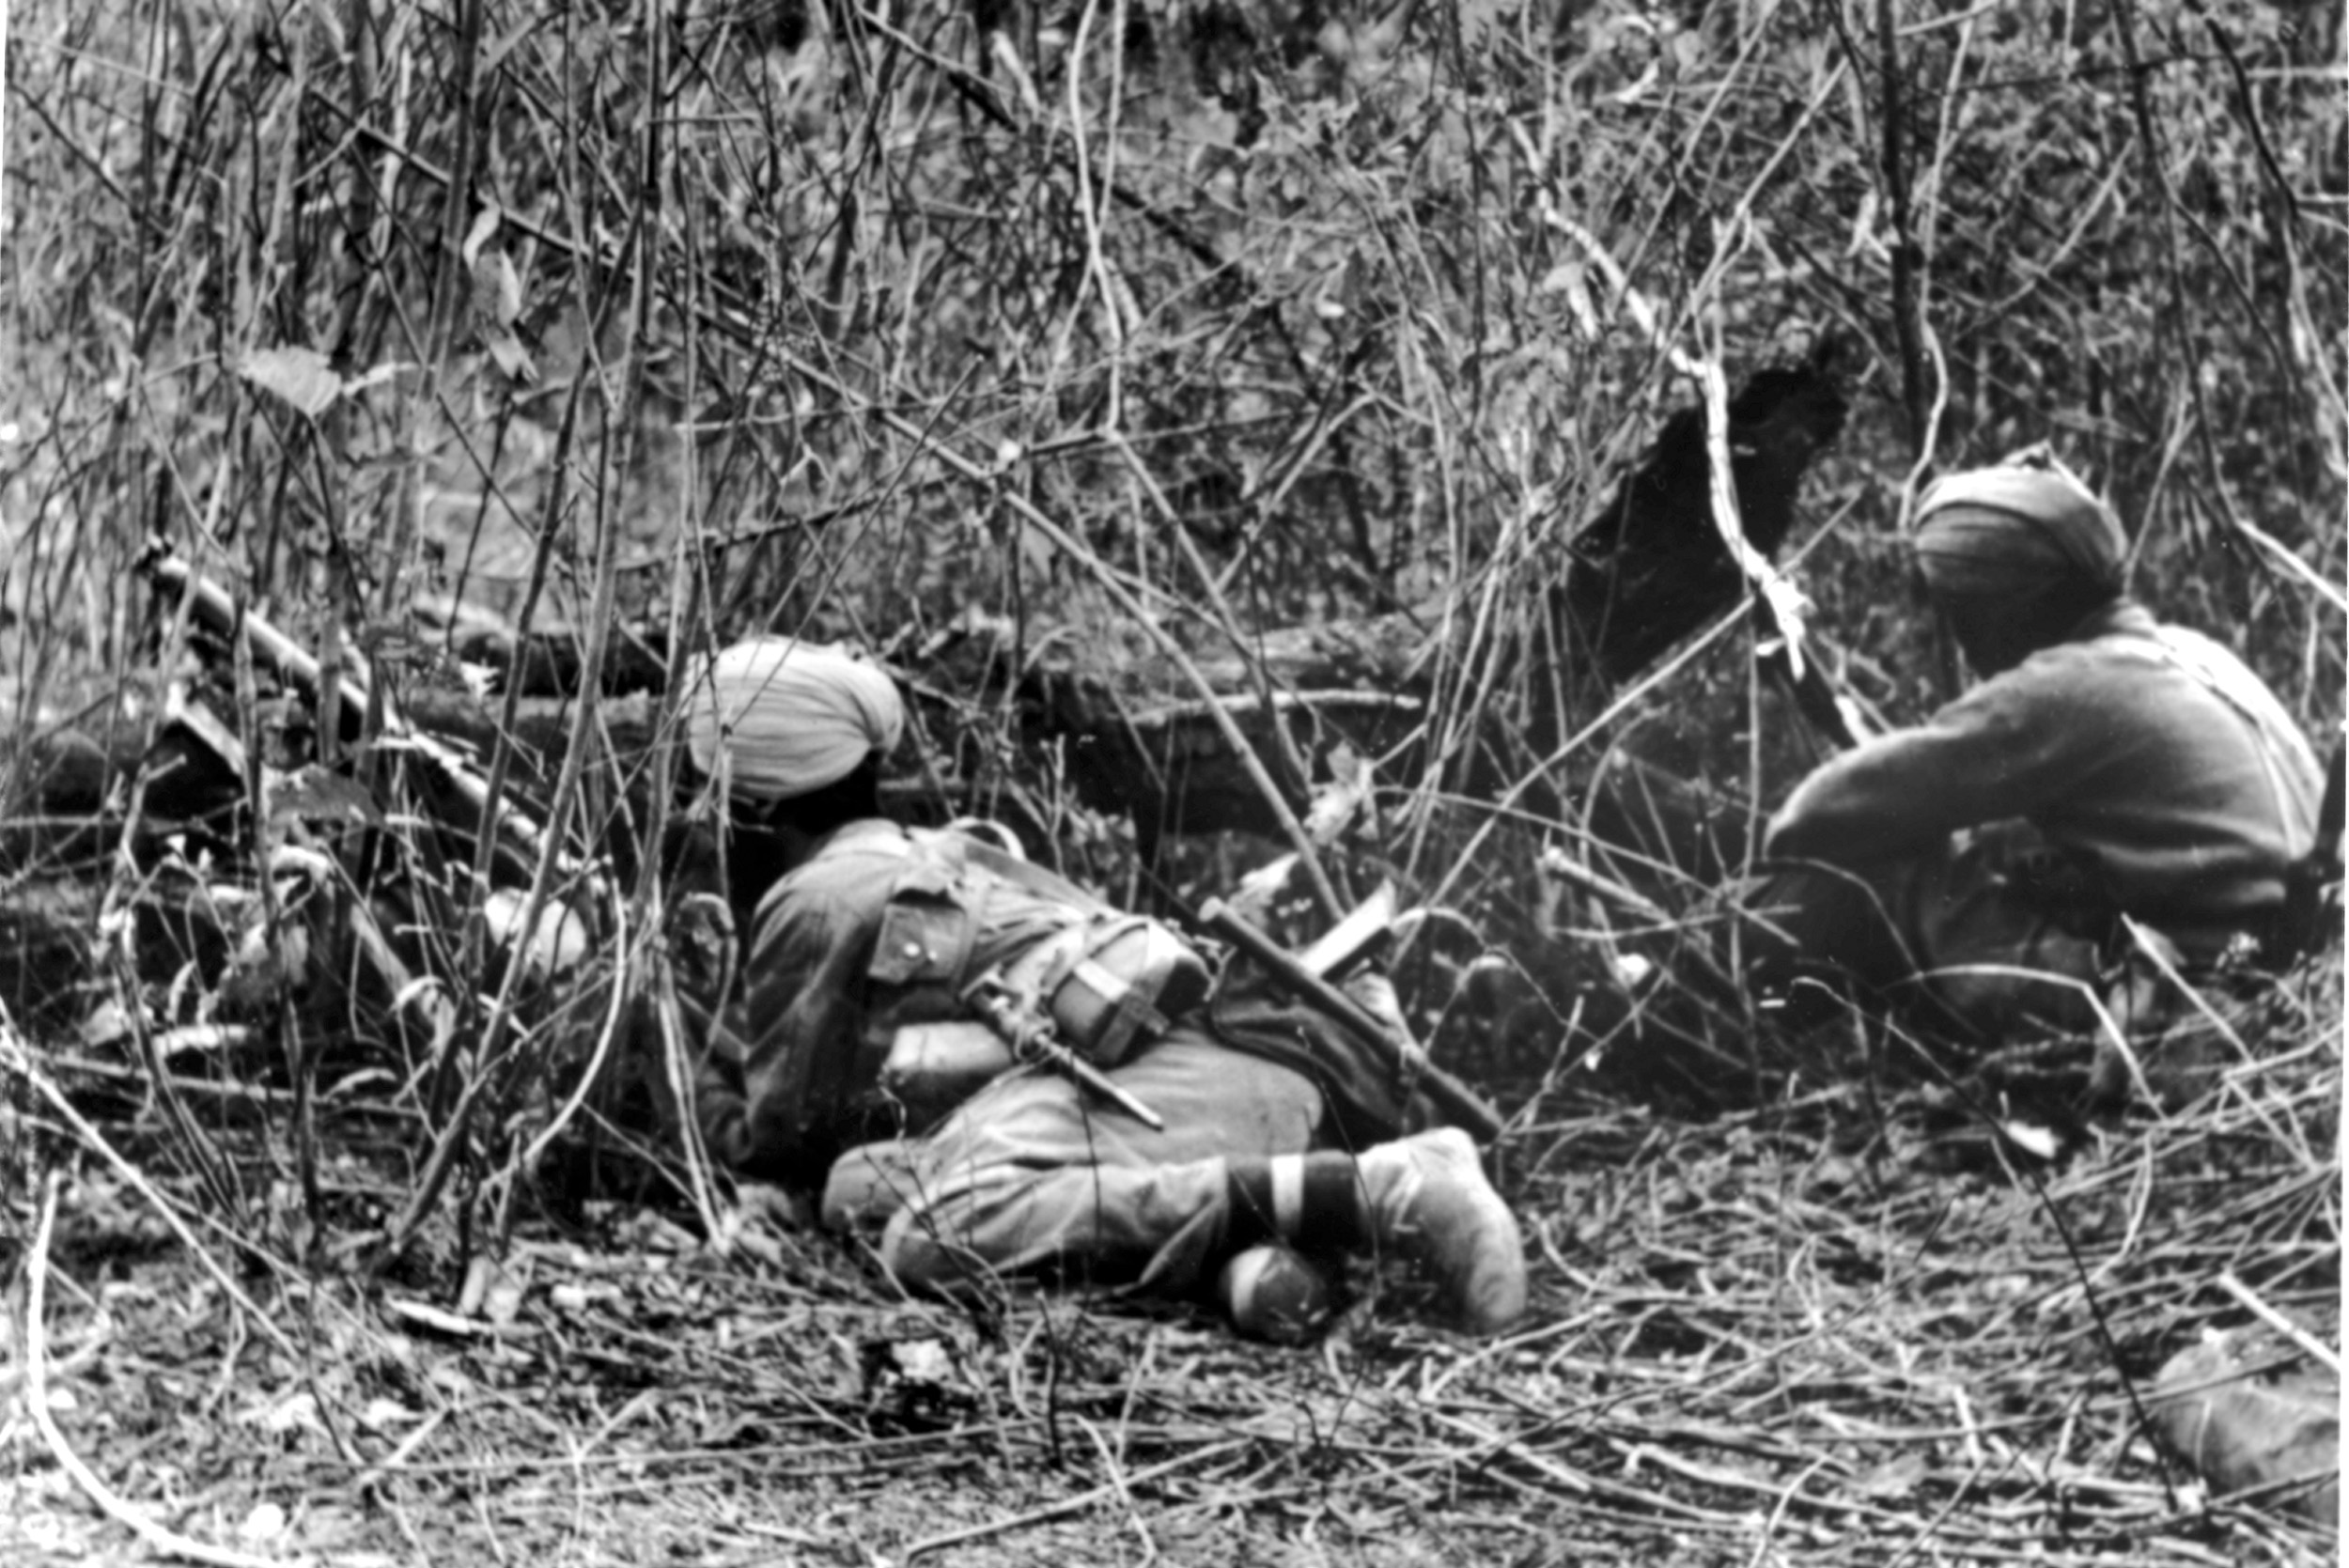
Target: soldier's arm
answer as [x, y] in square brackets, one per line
[2002, 750]
[779, 1060]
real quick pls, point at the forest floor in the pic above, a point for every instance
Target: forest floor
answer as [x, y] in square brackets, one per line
[1845, 1328]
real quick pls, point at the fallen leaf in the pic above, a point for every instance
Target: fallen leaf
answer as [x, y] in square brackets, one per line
[493, 1290]
[2033, 1139]
[301, 377]
[1344, 798]
[1253, 896]
[265, 1522]
[379, 1413]
[296, 1412]
[312, 794]
[108, 1023]
[451, 1380]
[1896, 1477]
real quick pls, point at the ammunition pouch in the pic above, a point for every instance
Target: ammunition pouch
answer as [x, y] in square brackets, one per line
[926, 936]
[1108, 983]
[1113, 984]
[2309, 920]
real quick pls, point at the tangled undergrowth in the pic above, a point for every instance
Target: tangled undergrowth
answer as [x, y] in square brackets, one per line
[1845, 1326]
[427, 328]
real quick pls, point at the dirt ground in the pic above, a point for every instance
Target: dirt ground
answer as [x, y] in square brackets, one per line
[1838, 1329]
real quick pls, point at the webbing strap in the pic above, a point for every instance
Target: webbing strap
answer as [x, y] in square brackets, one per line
[960, 851]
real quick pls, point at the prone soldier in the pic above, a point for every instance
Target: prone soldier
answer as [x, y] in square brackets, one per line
[1279, 1126]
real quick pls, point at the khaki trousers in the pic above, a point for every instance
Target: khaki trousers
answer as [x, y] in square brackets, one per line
[1032, 1176]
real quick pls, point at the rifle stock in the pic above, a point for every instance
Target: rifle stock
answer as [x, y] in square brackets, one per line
[2311, 916]
[1460, 1105]
[212, 606]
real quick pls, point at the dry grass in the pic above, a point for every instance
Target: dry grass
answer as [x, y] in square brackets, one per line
[1829, 1329]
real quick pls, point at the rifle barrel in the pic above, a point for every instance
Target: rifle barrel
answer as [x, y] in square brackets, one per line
[1460, 1104]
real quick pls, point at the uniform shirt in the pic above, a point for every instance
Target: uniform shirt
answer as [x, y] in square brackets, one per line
[2148, 749]
[789, 1079]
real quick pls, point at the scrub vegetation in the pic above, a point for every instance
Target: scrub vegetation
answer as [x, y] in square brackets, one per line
[497, 354]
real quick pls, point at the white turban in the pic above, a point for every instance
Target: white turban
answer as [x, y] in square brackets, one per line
[791, 717]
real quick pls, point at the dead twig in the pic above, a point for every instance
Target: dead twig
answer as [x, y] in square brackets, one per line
[109, 1502]
[1118, 1487]
[18, 1058]
[2324, 1355]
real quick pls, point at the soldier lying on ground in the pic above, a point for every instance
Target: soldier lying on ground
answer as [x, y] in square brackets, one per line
[1972, 872]
[1277, 1125]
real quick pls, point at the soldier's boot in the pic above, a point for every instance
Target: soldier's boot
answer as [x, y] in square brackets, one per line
[1428, 1202]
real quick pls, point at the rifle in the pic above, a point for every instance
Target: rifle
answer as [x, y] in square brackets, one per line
[1034, 1040]
[217, 610]
[1459, 1103]
[2302, 926]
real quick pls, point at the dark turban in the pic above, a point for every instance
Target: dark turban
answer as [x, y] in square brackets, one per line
[2019, 532]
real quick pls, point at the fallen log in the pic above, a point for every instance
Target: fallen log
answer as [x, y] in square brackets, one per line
[1649, 571]
[213, 608]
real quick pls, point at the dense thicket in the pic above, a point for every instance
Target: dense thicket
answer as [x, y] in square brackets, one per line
[1083, 360]
[1134, 334]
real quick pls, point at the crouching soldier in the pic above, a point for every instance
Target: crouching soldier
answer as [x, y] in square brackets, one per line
[1194, 1126]
[1973, 871]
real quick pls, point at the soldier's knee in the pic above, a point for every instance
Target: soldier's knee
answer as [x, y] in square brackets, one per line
[923, 1254]
[867, 1187]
